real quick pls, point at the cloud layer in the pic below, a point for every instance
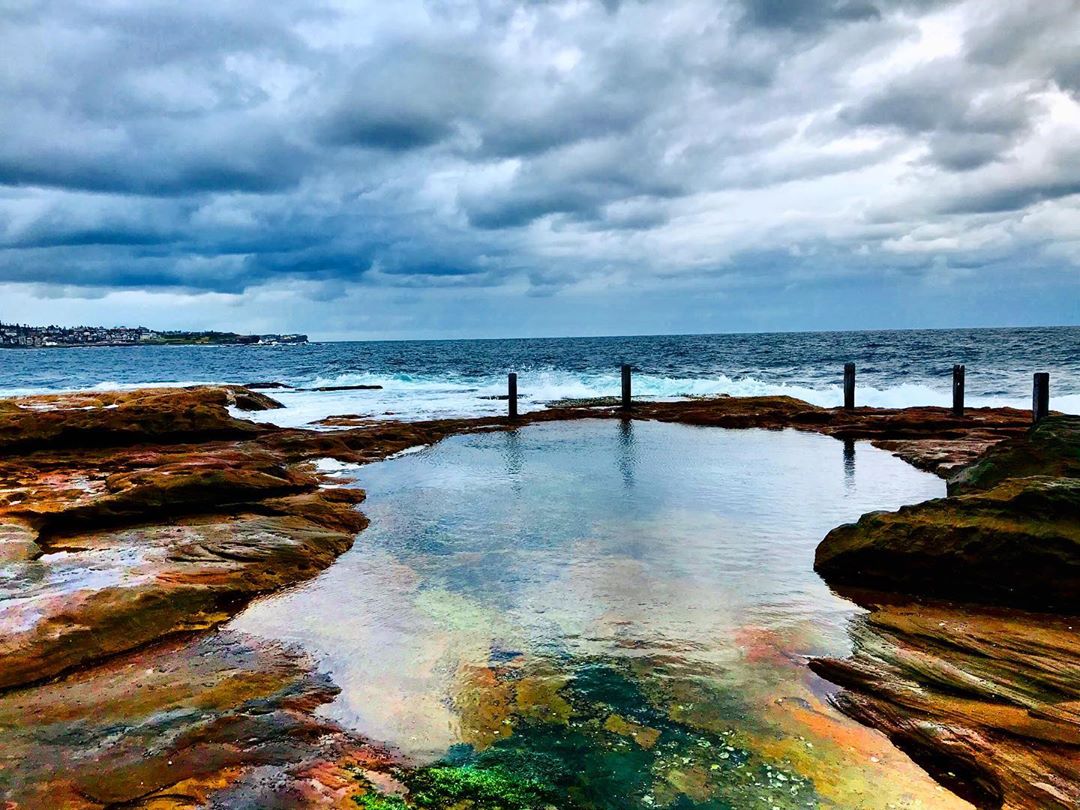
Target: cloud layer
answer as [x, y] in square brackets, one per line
[540, 150]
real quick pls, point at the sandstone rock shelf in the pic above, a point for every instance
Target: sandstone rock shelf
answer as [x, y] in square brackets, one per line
[1009, 533]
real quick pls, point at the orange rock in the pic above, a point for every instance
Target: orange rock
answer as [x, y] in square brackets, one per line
[986, 700]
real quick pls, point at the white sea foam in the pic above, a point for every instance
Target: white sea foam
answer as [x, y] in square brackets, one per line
[420, 396]
[412, 397]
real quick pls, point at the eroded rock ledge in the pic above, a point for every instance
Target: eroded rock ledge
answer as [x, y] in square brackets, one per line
[132, 524]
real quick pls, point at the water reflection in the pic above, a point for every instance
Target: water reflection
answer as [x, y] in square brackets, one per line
[626, 452]
[515, 458]
[849, 464]
[628, 622]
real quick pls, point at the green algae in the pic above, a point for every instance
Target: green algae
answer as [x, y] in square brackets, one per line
[484, 788]
[378, 801]
[1051, 448]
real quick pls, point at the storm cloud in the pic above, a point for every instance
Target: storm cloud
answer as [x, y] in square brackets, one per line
[567, 149]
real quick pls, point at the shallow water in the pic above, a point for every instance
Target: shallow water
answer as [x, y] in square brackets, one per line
[628, 605]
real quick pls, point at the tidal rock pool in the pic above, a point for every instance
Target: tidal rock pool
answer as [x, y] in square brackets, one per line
[605, 615]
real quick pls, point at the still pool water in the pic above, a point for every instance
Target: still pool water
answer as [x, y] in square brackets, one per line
[606, 615]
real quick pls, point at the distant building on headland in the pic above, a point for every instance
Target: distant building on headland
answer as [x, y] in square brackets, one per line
[17, 336]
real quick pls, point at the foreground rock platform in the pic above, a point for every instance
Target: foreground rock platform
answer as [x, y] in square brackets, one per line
[133, 524]
[223, 719]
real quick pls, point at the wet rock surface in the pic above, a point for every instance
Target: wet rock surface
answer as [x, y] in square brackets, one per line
[985, 699]
[128, 523]
[932, 439]
[111, 418]
[1052, 449]
[1015, 544]
[223, 721]
[114, 590]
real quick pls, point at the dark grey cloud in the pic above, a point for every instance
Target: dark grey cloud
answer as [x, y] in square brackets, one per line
[968, 117]
[1035, 37]
[137, 167]
[807, 15]
[1013, 197]
[221, 146]
[409, 95]
[559, 120]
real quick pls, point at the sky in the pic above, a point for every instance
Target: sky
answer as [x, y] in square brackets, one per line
[483, 168]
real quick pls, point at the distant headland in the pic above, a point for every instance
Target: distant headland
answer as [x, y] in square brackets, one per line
[16, 336]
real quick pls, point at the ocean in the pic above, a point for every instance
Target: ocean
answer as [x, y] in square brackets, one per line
[423, 379]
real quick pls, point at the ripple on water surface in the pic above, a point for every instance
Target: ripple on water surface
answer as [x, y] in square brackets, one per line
[604, 614]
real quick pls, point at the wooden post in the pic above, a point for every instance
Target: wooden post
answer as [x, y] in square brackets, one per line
[626, 387]
[958, 372]
[511, 394]
[1040, 397]
[849, 386]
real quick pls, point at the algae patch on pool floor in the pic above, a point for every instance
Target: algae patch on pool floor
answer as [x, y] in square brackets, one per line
[614, 751]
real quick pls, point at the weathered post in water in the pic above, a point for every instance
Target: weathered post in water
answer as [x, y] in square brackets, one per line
[511, 394]
[1040, 397]
[958, 372]
[849, 386]
[626, 394]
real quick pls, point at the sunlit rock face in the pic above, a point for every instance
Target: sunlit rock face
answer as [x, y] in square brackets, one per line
[984, 698]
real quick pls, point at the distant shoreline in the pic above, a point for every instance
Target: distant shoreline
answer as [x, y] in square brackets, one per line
[155, 345]
[20, 336]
